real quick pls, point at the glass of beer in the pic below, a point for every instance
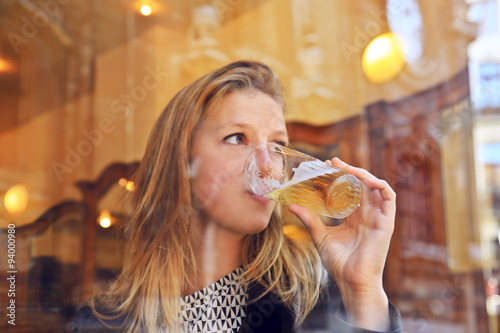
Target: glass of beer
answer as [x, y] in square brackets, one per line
[289, 176]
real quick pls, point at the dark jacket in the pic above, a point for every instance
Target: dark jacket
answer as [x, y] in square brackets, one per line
[267, 315]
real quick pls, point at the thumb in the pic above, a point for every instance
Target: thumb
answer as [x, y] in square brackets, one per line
[313, 223]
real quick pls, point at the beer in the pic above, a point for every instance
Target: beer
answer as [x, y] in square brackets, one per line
[332, 194]
[289, 176]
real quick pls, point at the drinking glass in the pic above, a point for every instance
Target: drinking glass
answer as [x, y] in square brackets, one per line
[289, 176]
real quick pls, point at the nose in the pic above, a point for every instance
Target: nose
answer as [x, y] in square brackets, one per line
[263, 169]
[263, 161]
[269, 161]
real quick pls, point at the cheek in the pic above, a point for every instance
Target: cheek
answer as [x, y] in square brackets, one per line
[205, 190]
[216, 180]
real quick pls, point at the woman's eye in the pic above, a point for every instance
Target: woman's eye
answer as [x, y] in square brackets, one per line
[281, 143]
[235, 139]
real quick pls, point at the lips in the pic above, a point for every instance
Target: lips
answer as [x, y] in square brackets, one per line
[259, 198]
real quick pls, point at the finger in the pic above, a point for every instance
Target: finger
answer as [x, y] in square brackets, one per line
[386, 192]
[379, 194]
[356, 172]
[367, 178]
[377, 191]
[312, 222]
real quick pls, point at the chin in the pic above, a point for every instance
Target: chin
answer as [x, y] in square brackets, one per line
[254, 227]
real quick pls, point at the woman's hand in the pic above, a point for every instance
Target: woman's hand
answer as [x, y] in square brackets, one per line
[354, 253]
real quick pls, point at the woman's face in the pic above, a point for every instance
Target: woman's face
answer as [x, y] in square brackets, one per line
[243, 120]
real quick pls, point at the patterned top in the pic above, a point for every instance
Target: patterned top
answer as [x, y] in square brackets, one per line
[219, 307]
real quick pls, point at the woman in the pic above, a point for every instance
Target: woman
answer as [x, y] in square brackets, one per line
[204, 254]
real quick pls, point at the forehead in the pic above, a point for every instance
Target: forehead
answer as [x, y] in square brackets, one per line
[248, 106]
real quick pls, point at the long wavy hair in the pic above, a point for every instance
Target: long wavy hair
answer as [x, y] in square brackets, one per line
[159, 256]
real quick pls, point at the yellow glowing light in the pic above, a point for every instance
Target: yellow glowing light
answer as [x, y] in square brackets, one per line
[122, 182]
[105, 219]
[383, 58]
[145, 10]
[5, 66]
[16, 199]
[105, 222]
[130, 186]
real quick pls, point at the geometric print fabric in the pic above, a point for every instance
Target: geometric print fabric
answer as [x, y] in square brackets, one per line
[219, 307]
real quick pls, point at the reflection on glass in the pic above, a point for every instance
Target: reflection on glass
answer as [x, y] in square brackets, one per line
[405, 19]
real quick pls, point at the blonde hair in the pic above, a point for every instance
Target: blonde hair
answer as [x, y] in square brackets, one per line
[159, 254]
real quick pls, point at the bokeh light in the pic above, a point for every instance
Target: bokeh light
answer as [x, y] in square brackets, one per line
[383, 58]
[128, 184]
[105, 219]
[122, 182]
[16, 199]
[5, 66]
[145, 10]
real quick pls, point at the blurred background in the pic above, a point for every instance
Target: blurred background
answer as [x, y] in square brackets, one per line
[409, 89]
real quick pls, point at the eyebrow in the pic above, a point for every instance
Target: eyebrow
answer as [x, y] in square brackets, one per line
[244, 125]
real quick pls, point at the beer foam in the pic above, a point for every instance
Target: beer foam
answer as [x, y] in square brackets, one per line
[307, 170]
[257, 183]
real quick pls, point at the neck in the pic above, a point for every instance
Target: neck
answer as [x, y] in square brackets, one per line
[218, 252]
